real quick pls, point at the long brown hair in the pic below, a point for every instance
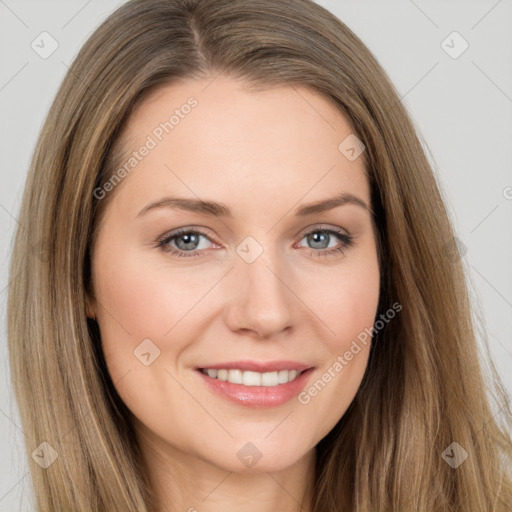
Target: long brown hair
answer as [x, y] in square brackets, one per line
[425, 386]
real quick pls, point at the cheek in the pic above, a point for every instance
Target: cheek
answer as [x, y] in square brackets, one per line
[354, 309]
[134, 305]
[347, 299]
[140, 299]
[138, 304]
[347, 308]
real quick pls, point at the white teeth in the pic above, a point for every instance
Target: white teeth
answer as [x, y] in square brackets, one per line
[271, 379]
[282, 377]
[235, 376]
[249, 378]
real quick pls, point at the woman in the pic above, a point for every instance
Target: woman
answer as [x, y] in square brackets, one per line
[177, 346]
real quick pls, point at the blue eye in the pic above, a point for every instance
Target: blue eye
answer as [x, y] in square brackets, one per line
[318, 238]
[187, 241]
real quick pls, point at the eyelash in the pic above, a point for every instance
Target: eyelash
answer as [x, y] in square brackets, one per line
[162, 243]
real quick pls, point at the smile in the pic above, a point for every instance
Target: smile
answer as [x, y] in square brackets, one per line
[254, 389]
[250, 378]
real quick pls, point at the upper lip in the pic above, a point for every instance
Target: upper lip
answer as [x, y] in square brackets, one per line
[258, 366]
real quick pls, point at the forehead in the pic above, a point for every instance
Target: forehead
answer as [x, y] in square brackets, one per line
[218, 135]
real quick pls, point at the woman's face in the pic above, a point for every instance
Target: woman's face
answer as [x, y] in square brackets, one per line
[263, 283]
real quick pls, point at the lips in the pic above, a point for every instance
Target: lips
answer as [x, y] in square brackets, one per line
[257, 366]
[256, 396]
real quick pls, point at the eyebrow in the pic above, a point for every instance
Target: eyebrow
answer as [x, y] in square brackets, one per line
[221, 210]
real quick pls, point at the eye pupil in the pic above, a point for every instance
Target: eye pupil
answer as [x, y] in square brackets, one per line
[318, 237]
[190, 238]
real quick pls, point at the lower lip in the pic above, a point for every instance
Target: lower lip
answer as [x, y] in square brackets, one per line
[257, 396]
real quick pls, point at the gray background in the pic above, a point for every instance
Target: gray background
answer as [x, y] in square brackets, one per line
[462, 107]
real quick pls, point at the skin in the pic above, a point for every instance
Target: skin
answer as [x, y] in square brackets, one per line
[263, 154]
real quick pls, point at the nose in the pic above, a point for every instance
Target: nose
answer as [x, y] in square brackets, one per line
[261, 301]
